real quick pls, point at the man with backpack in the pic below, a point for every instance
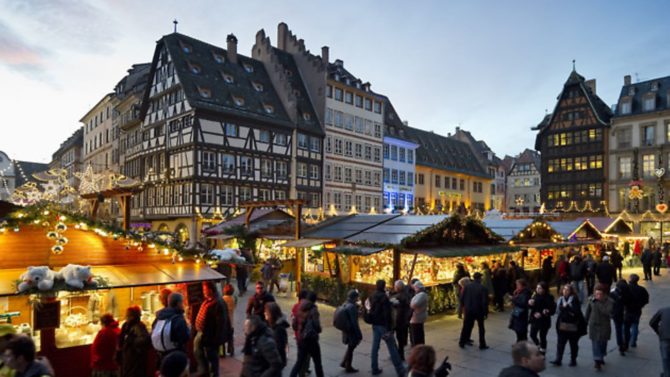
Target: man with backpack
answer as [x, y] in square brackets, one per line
[379, 316]
[169, 332]
[308, 325]
[401, 315]
[346, 320]
[639, 297]
[213, 328]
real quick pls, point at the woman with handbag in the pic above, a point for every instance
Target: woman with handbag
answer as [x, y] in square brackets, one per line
[542, 307]
[569, 324]
[519, 319]
[598, 314]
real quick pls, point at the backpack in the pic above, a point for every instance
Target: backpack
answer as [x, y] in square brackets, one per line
[341, 319]
[266, 271]
[160, 335]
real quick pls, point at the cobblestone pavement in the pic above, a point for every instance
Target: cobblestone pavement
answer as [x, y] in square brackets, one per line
[442, 332]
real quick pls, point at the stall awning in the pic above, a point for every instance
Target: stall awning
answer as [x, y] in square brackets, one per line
[554, 245]
[305, 242]
[357, 250]
[220, 237]
[130, 275]
[463, 251]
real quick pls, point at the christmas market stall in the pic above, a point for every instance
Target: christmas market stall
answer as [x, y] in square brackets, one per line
[46, 293]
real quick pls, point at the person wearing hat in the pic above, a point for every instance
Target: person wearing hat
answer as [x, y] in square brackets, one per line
[353, 337]
[605, 272]
[475, 304]
[175, 364]
[419, 306]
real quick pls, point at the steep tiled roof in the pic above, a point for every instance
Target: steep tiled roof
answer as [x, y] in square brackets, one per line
[640, 90]
[508, 162]
[76, 138]
[444, 153]
[337, 72]
[135, 81]
[528, 156]
[393, 126]
[189, 54]
[308, 122]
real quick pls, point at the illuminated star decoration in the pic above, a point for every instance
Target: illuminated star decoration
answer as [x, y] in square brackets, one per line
[89, 181]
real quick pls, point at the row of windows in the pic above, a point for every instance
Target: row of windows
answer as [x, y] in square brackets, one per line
[648, 166]
[582, 191]
[526, 182]
[348, 148]
[226, 194]
[350, 122]
[574, 163]
[345, 200]
[308, 170]
[624, 135]
[576, 137]
[398, 200]
[339, 173]
[396, 153]
[526, 199]
[398, 177]
[228, 163]
[99, 118]
[354, 99]
[100, 139]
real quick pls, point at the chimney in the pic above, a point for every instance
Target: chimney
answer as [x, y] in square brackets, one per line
[232, 48]
[458, 128]
[282, 30]
[591, 84]
[339, 63]
[405, 123]
[626, 80]
[324, 54]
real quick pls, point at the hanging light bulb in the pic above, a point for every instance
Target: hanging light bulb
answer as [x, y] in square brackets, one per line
[62, 241]
[52, 235]
[166, 251]
[57, 249]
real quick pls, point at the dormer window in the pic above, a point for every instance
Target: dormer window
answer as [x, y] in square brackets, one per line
[654, 86]
[288, 73]
[248, 67]
[205, 92]
[649, 103]
[631, 91]
[227, 78]
[625, 107]
[239, 101]
[306, 116]
[194, 68]
[268, 108]
[296, 93]
[257, 86]
[218, 58]
[185, 47]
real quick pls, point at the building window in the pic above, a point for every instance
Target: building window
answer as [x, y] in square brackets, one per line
[338, 94]
[378, 107]
[227, 195]
[401, 154]
[410, 156]
[625, 107]
[394, 153]
[231, 130]
[462, 185]
[648, 135]
[401, 177]
[315, 144]
[228, 163]
[624, 138]
[348, 150]
[338, 119]
[328, 172]
[338, 146]
[349, 97]
[314, 172]
[378, 130]
[420, 179]
[368, 152]
[438, 180]
[245, 193]
[280, 139]
[208, 161]
[347, 175]
[264, 136]
[282, 169]
[246, 166]
[359, 101]
[338, 174]
[358, 176]
[625, 164]
[248, 67]
[386, 175]
[410, 178]
[648, 165]
[268, 108]
[368, 178]
[329, 117]
[302, 170]
[368, 104]
[358, 150]
[265, 194]
[649, 104]
[359, 125]
[329, 91]
[302, 141]
[206, 194]
[266, 168]
[386, 151]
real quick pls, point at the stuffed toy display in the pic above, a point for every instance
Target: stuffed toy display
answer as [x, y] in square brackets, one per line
[41, 277]
[77, 276]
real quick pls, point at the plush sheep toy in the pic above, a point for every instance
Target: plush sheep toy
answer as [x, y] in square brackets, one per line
[227, 255]
[77, 276]
[40, 277]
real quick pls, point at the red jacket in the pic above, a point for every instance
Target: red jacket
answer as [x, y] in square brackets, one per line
[103, 350]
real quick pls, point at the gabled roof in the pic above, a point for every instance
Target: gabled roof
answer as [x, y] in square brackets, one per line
[444, 153]
[187, 52]
[640, 90]
[393, 126]
[135, 81]
[508, 163]
[528, 156]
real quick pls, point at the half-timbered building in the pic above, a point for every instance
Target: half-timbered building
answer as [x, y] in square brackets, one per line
[572, 142]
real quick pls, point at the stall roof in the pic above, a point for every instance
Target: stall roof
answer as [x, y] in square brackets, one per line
[601, 223]
[392, 232]
[131, 275]
[507, 229]
[463, 251]
[566, 228]
[260, 219]
[306, 242]
[349, 226]
[357, 250]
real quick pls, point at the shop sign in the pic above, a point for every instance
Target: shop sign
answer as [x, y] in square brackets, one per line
[194, 293]
[47, 315]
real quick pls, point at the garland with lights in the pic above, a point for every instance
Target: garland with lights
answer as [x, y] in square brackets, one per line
[454, 230]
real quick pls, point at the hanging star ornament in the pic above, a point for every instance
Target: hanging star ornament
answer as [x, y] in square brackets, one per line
[89, 181]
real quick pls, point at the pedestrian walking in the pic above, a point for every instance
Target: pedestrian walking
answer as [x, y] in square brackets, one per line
[620, 297]
[308, 324]
[577, 274]
[419, 306]
[475, 303]
[570, 324]
[547, 274]
[499, 287]
[401, 315]
[256, 303]
[617, 261]
[352, 338]
[134, 343]
[563, 272]
[606, 273]
[261, 357]
[591, 273]
[598, 314]
[528, 361]
[460, 273]
[270, 273]
[657, 257]
[660, 323]
[213, 328]
[241, 275]
[230, 299]
[461, 286]
[639, 297]
[278, 323]
[542, 307]
[487, 281]
[421, 361]
[379, 316]
[302, 296]
[519, 317]
[170, 332]
[103, 349]
[513, 274]
[647, 259]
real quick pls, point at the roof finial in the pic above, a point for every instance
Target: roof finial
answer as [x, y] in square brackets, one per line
[175, 22]
[573, 64]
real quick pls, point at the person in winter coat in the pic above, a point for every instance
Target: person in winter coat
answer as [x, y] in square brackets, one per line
[620, 297]
[103, 348]
[617, 262]
[256, 304]
[548, 270]
[528, 361]
[519, 318]
[514, 273]
[499, 287]
[278, 324]
[421, 361]
[401, 315]
[598, 314]
[261, 357]
[639, 297]
[213, 328]
[660, 323]
[419, 306]
[19, 355]
[475, 303]
[656, 258]
[563, 272]
[569, 324]
[134, 343]
[379, 316]
[353, 337]
[487, 278]
[179, 331]
[230, 299]
[647, 259]
[590, 265]
[542, 307]
[577, 275]
[308, 324]
[606, 273]
[461, 286]
[460, 273]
